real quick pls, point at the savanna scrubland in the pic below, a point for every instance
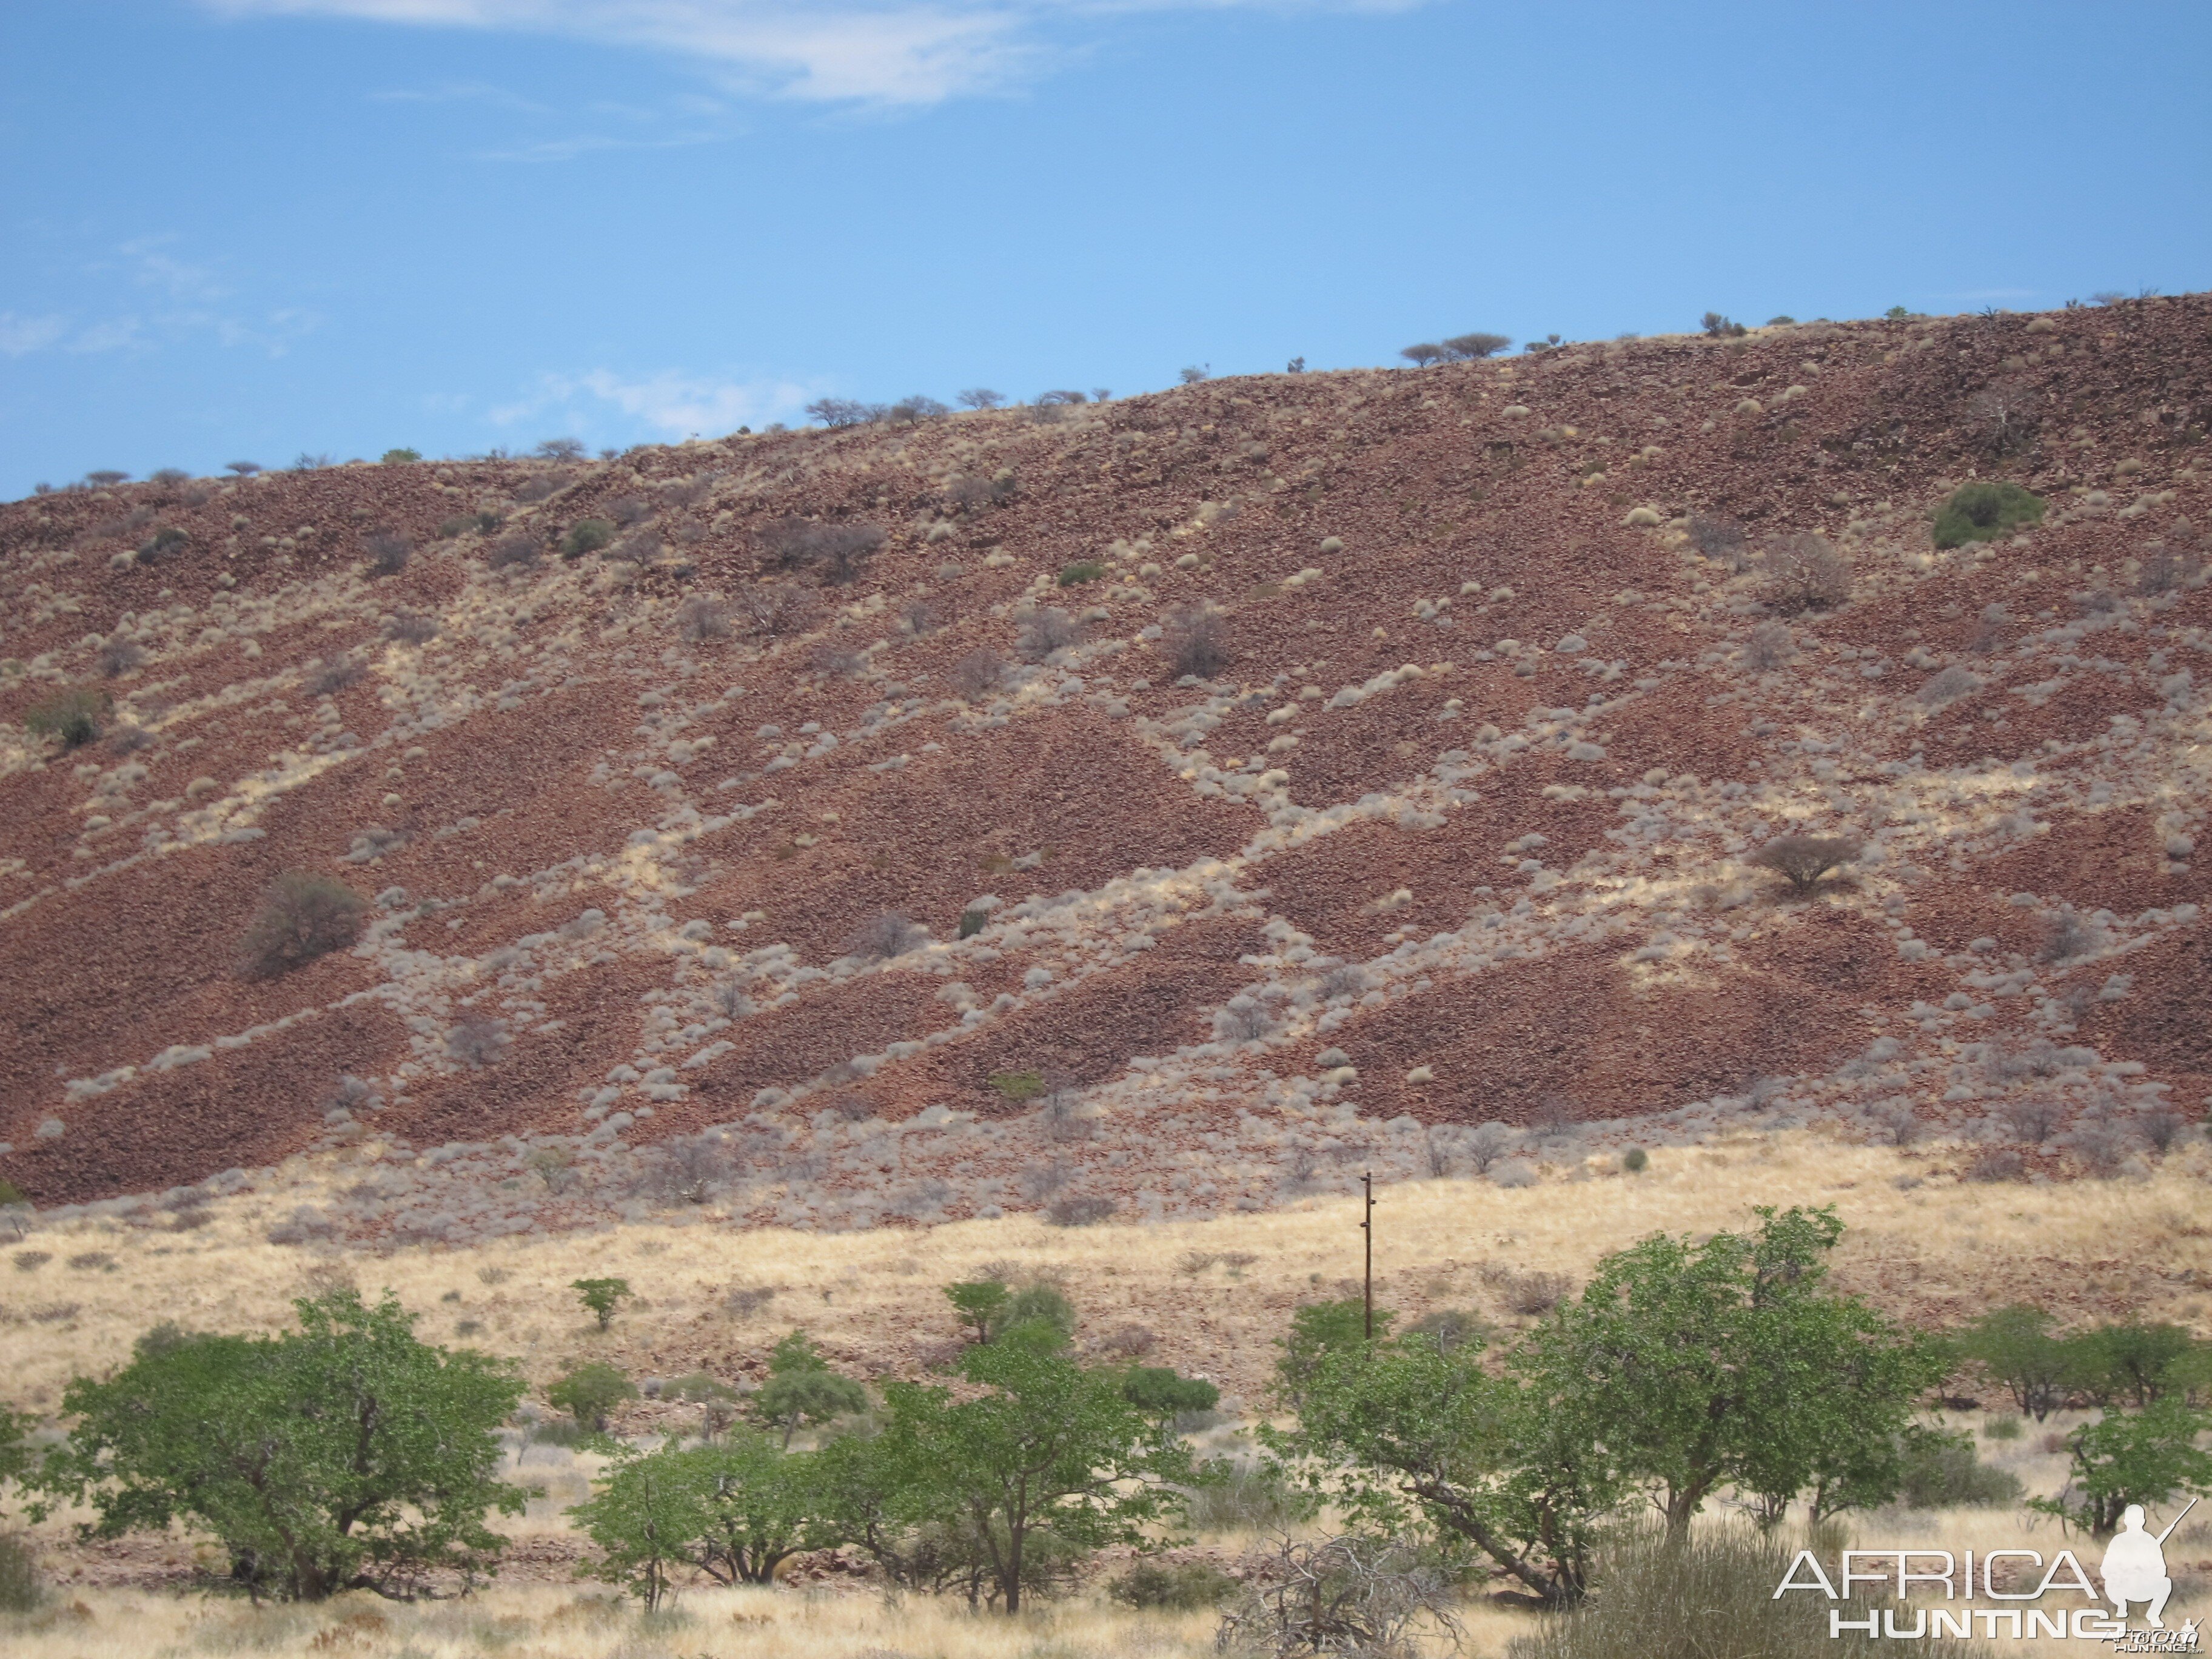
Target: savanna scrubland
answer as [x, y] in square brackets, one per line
[1600, 792]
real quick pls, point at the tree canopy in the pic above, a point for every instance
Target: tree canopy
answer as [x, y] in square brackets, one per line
[346, 1453]
[1043, 1456]
[1682, 1368]
[735, 1510]
[802, 1388]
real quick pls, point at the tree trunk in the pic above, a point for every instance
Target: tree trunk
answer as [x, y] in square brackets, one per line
[1681, 1506]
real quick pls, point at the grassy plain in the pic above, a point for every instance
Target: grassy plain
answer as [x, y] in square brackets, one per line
[1212, 1296]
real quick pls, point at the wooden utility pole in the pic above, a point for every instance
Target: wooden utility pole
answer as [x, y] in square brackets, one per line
[1367, 1226]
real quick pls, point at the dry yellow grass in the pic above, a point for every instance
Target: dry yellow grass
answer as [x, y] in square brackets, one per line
[540, 1621]
[1938, 1251]
[1935, 1250]
[544, 1622]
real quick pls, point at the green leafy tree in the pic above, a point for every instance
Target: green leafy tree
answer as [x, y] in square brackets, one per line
[2014, 1348]
[734, 1511]
[1418, 1428]
[590, 1392]
[645, 1517]
[601, 1296]
[1039, 1306]
[1318, 1330]
[761, 1506]
[1047, 1460]
[345, 1455]
[1728, 1363]
[2130, 1457]
[2133, 1362]
[802, 1388]
[978, 1302]
[1162, 1394]
[1827, 1411]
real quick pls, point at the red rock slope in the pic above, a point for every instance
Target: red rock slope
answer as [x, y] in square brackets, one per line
[1455, 831]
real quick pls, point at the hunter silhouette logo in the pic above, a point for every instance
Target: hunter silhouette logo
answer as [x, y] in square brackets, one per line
[2133, 1571]
[2134, 1565]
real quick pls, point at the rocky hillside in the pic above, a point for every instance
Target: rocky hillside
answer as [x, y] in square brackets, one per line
[1175, 805]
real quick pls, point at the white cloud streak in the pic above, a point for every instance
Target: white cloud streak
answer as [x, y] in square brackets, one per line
[21, 336]
[911, 52]
[672, 402]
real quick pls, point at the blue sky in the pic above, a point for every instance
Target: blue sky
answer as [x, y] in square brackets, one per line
[242, 229]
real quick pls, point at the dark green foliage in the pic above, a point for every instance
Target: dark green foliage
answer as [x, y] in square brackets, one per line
[1409, 1430]
[74, 716]
[1018, 1086]
[973, 922]
[2014, 1348]
[346, 1453]
[1942, 1472]
[399, 457]
[1709, 1597]
[2133, 1362]
[303, 916]
[1042, 1311]
[802, 1388]
[590, 1392]
[1081, 571]
[1178, 1586]
[10, 1194]
[586, 535]
[1162, 1394]
[644, 1514]
[1680, 1370]
[1635, 1160]
[978, 1302]
[1317, 1330]
[1722, 328]
[1004, 1490]
[734, 1511]
[1728, 1363]
[601, 1296]
[1984, 510]
[2131, 1457]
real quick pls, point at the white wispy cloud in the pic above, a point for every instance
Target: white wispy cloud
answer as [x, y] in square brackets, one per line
[462, 91]
[590, 143]
[671, 403]
[879, 52]
[20, 336]
[148, 262]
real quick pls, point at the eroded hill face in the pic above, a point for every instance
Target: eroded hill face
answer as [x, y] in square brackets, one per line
[1452, 826]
